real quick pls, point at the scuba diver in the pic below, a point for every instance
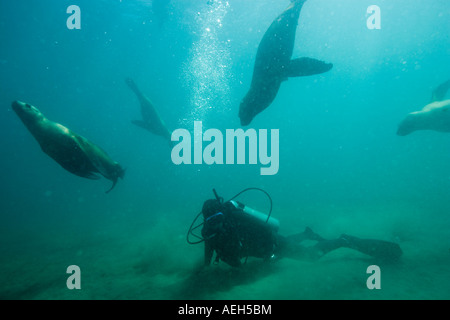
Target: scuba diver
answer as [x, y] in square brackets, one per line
[234, 232]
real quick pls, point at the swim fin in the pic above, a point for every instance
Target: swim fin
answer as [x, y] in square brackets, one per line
[376, 248]
[308, 234]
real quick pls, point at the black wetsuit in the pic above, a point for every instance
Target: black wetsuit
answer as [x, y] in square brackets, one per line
[234, 235]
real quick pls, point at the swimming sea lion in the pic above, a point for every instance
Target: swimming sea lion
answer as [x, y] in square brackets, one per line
[73, 152]
[273, 63]
[151, 120]
[434, 116]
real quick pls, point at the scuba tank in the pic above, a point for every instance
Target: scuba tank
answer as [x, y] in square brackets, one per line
[257, 216]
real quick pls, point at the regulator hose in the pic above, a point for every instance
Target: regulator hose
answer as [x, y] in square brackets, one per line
[220, 199]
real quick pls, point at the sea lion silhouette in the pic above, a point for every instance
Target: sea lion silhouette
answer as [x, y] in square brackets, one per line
[273, 63]
[73, 152]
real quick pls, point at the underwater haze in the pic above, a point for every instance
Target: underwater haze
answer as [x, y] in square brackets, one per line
[342, 167]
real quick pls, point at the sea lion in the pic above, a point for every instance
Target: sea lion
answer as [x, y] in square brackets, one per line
[273, 63]
[434, 116]
[73, 152]
[151, 120]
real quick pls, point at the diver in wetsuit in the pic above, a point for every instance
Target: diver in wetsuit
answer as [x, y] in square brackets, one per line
[233, 235]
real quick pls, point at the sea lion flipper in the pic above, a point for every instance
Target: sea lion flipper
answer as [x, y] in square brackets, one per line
[141, 97]
[142, 124]
[99, 160]
[158, 128]
[89, 175]
[440, 92]
[301, 67]
[132, 85]
[112, 187]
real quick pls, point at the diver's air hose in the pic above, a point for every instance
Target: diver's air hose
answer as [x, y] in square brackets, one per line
[220, 199]
[258, 189]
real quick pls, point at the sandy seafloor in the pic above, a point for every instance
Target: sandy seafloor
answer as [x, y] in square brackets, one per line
[151, 260]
